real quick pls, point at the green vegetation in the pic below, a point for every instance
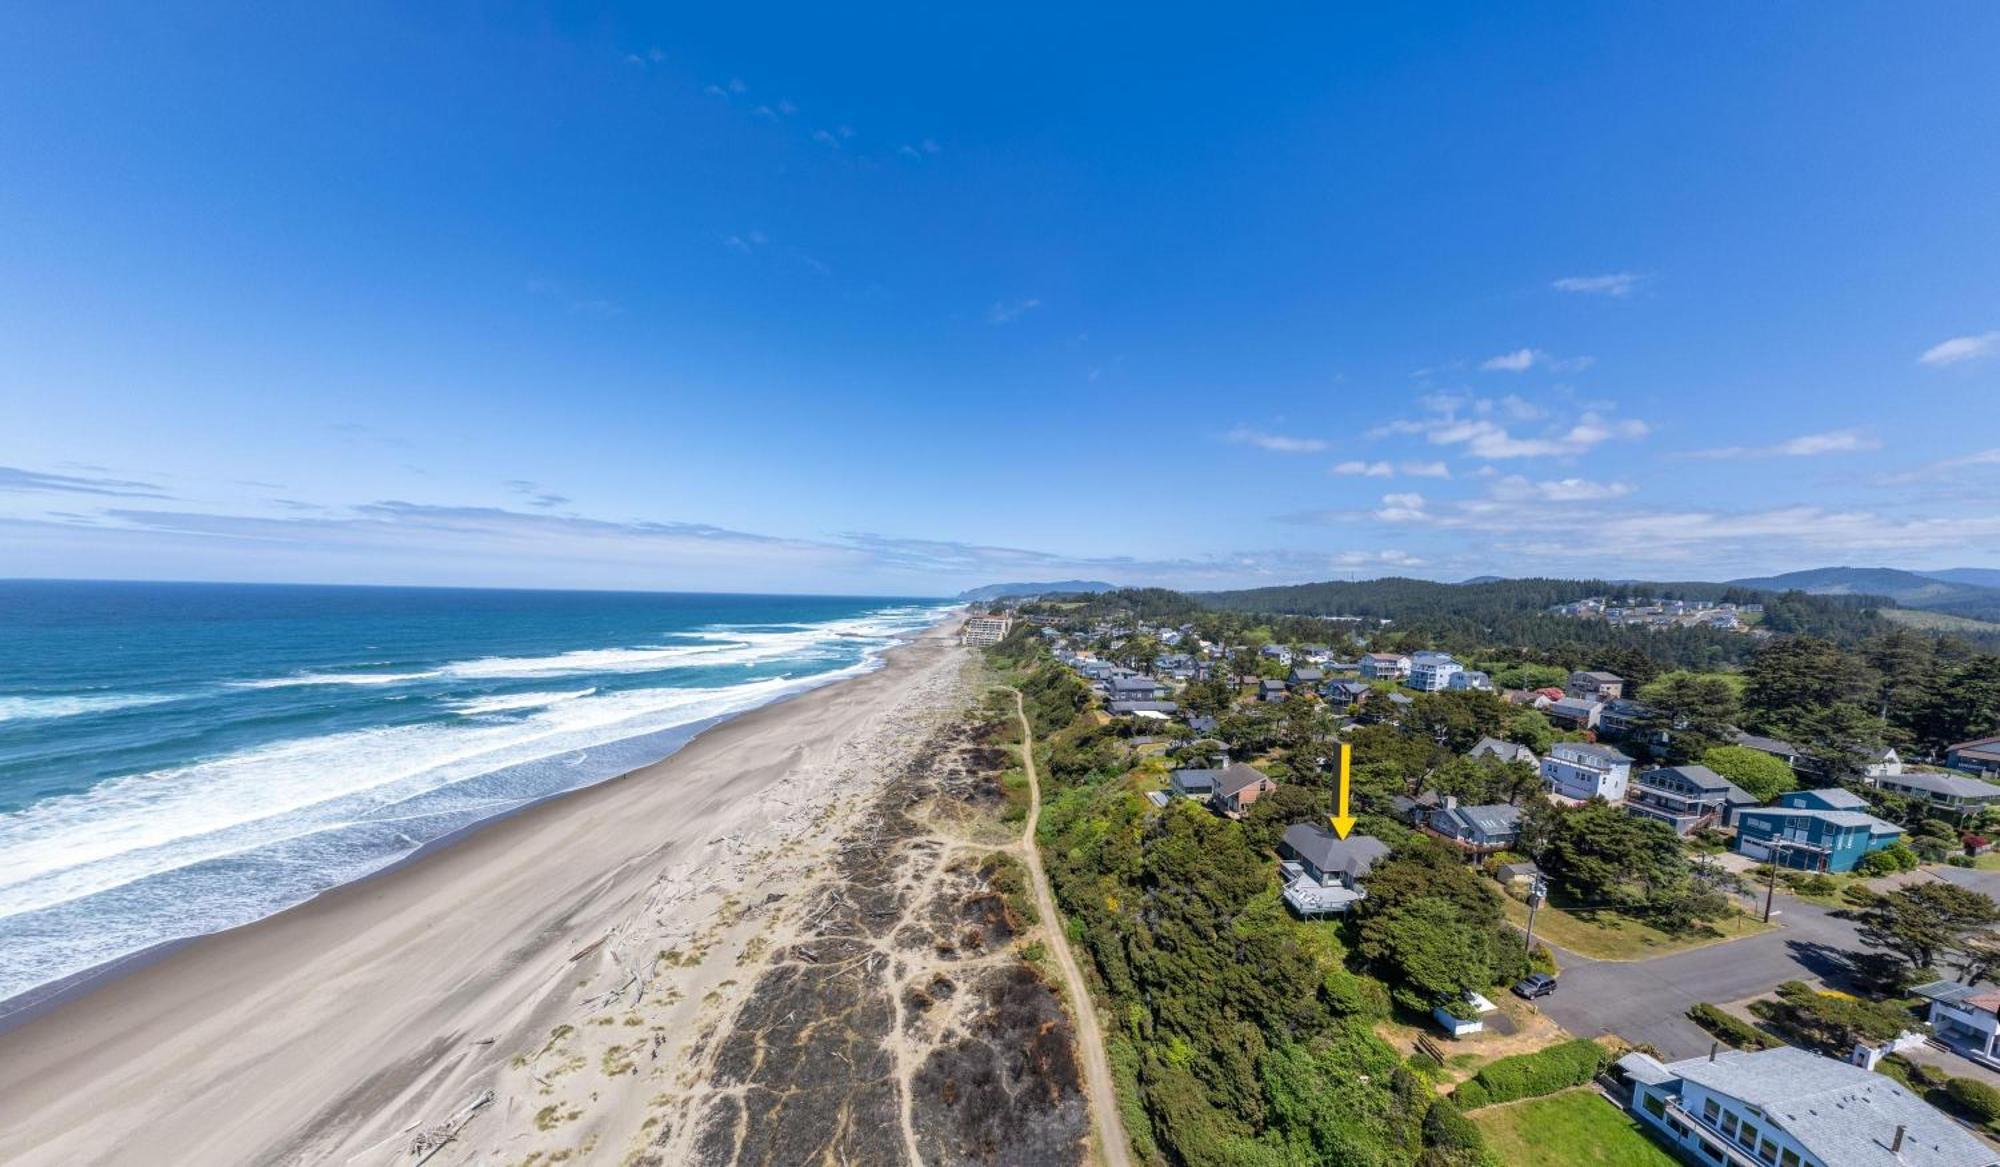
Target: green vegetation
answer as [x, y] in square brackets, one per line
[1731, 1029]
[1599, 857]
[1929, 924]
[1574, 1129]
[1558, 1067]
[1604, 934]
[1831, 1021]
[1761, 776]
[1240, 1035]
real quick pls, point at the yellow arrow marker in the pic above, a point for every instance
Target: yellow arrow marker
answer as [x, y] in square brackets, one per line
[1342, 821]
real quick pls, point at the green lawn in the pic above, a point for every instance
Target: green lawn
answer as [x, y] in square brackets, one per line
[1576, 1128]
[1606, 935]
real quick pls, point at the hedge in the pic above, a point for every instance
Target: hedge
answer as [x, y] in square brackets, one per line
[1979, 1100]
[1730, 1028]
[1558, 1067]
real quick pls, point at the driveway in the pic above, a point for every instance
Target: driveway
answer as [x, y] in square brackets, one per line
[1646, 1001]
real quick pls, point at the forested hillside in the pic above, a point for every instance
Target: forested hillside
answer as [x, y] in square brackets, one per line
[1509, 617]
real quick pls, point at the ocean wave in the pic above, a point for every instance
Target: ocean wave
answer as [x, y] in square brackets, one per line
[25, 708]
[78, 845]
[333, 679]
[510, 702]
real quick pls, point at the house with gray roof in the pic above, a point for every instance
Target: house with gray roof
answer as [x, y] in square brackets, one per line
[1575, 712]
[1686, 798]
[1322, 872]
[1978, 756]
[1198, 784]
[1346, 692]
[1813, 830]
[1476, 830]
[1493, 747]
[1134, 689]
[1586, 770]
[1237, 786]
[1787, 1107]
[1957, 793]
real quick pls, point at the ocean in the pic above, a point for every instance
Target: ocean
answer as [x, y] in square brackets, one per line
[177, 759]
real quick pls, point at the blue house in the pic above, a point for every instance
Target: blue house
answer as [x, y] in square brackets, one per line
[1815, 830]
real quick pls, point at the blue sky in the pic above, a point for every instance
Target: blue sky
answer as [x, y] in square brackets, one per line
[810, 299]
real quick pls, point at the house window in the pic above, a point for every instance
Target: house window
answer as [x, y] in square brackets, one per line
[1711, 1150]
[1768, 1151]
[1788, 1158]
[1748, 1135]
[1679, 1128]
[1729, 1123]
[1654, 1106]
[1709, 1109]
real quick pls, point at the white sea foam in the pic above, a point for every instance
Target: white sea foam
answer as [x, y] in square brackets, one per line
[64, 848]
[511, 702]
[333, 679]
[175, 852]
[38, 707]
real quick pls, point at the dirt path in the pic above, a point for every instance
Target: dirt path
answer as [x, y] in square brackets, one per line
[1113, 1146]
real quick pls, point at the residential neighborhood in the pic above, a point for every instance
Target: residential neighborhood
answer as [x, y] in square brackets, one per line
[1612, 823]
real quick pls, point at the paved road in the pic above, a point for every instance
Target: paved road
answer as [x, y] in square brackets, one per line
[1113, 1147]
[1647, 1000]
[1980, 881]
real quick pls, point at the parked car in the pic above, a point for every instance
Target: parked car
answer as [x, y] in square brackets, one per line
[1535, 985]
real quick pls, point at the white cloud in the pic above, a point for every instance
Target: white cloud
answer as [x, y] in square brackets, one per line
[1243, 435]
[1948, 468]
[1468, 422]
[826, 138]
[1406, 507]
[1612, 284]
[1523, 359]
[1518, 361]
[1385, 558]
[1803, 446]
[1007, 312]
[1515, 488]
[1962, 348]
[1427, 470]
[1365, 470]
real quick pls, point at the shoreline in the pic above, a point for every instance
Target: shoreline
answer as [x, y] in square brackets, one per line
[25, 1006]
[101, 1060]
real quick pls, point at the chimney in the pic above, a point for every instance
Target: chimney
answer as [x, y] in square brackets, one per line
[1896, 1147]
[1712, 1047]
[1451, 802]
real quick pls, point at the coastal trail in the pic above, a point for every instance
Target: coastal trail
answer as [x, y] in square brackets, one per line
[1113, 1146]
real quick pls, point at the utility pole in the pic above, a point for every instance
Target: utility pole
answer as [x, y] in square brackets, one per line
[1771, 891]
[1538, 890]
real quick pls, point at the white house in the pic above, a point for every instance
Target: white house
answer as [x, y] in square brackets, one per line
[1964, 1017]
[1585, 770]
[1385, 666]
[1433, 672]
[1787, 1107]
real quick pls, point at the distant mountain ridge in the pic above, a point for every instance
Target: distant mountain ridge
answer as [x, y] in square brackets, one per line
[1046, 588]
[1957, 591]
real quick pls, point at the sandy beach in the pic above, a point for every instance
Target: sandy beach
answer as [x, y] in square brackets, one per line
[497, 988]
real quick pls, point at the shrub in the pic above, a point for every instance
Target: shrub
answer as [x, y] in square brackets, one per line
[1349, 995]
[1451, 1139]
[1818, 885]
[1975, 1097]
[1876, 863]
[1558, 1067]
[1731, 1029]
